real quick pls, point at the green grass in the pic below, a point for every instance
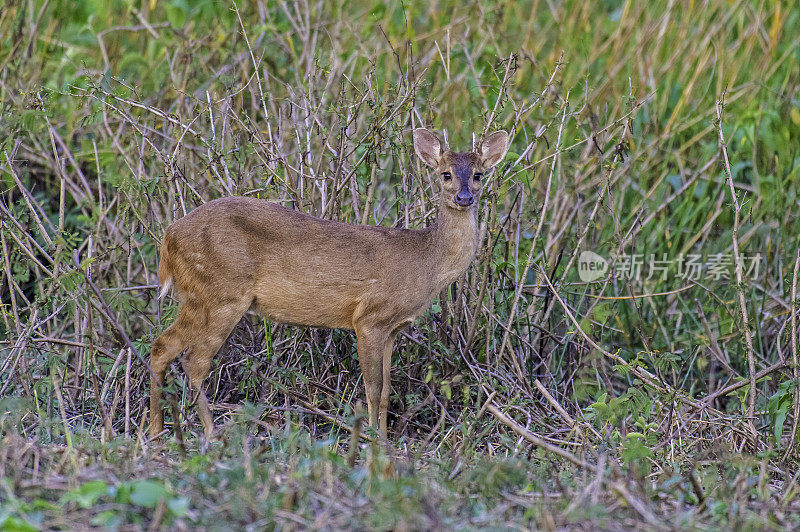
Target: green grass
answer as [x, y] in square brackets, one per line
[288, 479]
[118, 117]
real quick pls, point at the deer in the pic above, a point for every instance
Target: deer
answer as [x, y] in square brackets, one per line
[236, 254]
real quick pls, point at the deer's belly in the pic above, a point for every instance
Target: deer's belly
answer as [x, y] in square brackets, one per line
[314, 306]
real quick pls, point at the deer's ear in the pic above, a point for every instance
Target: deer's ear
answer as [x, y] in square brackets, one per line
[493, 148]
[427, 146]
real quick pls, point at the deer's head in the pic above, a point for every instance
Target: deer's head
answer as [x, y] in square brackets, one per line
[461, 173]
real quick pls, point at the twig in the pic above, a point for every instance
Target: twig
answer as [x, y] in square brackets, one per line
[637, 505]
[560, 409]
[751, 362]
[741, 384]
[795, 370]
[539, 442]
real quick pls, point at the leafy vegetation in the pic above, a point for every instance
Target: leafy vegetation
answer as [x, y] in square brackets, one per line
[659, 390]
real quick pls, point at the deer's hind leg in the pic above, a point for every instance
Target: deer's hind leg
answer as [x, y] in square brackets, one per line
[166, 348]
[199, 332]
[219, 323]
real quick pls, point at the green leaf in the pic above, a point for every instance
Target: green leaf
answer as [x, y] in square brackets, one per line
[15, 524]
[602, 312]
[179, 506]
[379, 11]
[634, 448]
[780, 419]
[175, 15]
[87, 494]
[147, 493]
[446, 389]
[108, 519]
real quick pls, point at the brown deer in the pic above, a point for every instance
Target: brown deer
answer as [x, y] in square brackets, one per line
[235, 254]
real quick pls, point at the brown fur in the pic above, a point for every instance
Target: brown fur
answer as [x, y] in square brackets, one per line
[235, 254]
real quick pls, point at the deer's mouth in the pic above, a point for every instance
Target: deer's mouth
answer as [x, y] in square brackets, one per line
[462, 205]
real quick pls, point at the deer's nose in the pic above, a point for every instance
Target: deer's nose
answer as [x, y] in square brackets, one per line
[464, 199]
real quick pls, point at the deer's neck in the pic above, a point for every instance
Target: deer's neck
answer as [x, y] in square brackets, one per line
[456, 235]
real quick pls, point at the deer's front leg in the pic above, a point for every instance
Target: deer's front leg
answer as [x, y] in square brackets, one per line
[386, 383]
[372, 345]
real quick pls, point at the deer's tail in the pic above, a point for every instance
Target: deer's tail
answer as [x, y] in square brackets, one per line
[164, 269]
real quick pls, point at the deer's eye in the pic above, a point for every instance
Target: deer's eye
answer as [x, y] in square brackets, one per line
[446, 176]
[478, 176]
